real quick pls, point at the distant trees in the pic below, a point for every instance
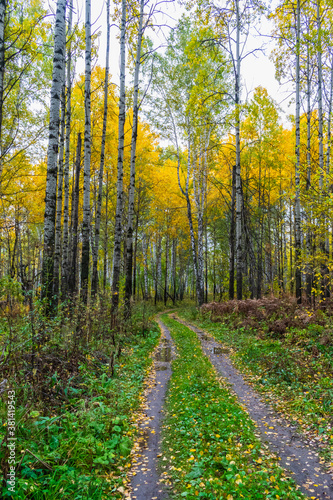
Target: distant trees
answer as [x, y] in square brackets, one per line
[232, 202]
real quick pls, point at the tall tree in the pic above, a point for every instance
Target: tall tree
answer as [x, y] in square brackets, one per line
[87, 158]
[65, 270]
[298, 275]
[121, 138]
[94, 280]
[130, 218]
[52, 152]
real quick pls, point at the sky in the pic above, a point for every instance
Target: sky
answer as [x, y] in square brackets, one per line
[256, 70]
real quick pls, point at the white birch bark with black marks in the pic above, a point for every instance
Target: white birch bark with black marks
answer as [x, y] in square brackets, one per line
[94, 280]
[52, 151]
[329, 140]
[3, 7]
[145, 264]
[65, 268]
[309, 272]
[87, 158]
[119, 205]
[298, 275]
[238, 187]
[130, 221]
[57, 246]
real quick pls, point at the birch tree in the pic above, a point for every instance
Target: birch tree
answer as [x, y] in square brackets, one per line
[52, 152]
[87, 157]
[298, 275]
[121, 137]
[65, 269]
[130, 218]
[94, 280]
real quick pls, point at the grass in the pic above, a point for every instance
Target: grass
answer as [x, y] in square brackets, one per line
[79, 440]
[293, 372]
[208, 438]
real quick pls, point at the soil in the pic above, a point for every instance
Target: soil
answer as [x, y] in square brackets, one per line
[297, 455]
[147, 482]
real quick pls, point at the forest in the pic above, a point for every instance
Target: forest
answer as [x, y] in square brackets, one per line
[166, 250]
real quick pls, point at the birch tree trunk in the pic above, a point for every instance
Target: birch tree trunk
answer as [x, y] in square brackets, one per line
[52, 151]
[87, 156]
[239, 249]
[298, 275]
[94, 280]
[129, 239]
[309, 278]
[3, 7]
[145, 264]
[232, 236]
[324, 269]
[57, 247]
[328, 151]
[119, 206]
[65, 268]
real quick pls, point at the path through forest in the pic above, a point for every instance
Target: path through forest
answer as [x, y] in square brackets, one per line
[296, 455]
[146, 483]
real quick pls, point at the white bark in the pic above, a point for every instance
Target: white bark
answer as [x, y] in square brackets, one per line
[3, 4]
[119, 206]
[65, 249]
[87, 158]
[298, 275]
[239, 250]
[129, 239]
[57, 247]
[94, 284]
[52, 152]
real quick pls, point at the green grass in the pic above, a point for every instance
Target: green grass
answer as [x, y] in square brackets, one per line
[294, 372]
[208, 438]
[86, 440]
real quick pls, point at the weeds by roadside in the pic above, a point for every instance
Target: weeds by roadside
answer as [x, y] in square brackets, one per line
[77, 384]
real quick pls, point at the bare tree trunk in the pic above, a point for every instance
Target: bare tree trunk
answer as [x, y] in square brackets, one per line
[94, 280]
[87, 156]
[145, 264]
[106, 233]
[166, 269]
[174, 267]
[129, 239]
[119, 206]
[52, 152]
[298, 275]
[328, 152]
[57, 246]
[3, 7]
[309, 271]
[65, 245]
[232, 237]
[239, 249]
[75, 218]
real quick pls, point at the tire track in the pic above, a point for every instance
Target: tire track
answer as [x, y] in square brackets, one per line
[295, 454]
[146, 482]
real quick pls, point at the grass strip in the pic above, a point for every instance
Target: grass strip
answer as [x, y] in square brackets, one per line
[294, 373]
[87, 442]
[209, 439]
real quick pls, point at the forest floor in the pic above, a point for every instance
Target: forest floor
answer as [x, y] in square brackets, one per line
[188, 406]
[252, 451]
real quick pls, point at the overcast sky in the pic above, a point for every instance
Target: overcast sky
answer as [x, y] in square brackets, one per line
[256, 69]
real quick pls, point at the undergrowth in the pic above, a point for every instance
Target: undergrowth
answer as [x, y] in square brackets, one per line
[77, 383]
[209, 439]
[293, 368]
